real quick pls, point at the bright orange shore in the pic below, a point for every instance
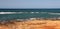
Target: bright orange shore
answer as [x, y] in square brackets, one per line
[33, 24]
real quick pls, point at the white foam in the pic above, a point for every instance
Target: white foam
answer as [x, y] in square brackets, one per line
[12, 12]
[31, 12]
[7, 12]
[19, 12]
[36, 12]
[54, 13]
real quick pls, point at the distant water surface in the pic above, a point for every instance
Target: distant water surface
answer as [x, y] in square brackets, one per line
[24, 14]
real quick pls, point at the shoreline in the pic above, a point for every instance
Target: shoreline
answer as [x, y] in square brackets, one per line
[32, 23]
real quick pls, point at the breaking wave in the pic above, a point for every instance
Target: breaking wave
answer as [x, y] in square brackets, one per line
[7, 12]
[16, 12]
[51, 13]
[54, 13]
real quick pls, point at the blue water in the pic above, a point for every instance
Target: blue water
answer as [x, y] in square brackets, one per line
[30, 10]
[28, 15]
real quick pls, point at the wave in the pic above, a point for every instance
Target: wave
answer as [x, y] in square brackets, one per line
[7, 12]
[19, 12]
[16, 12]
[54, 13]
[12, 12]
[51, 13]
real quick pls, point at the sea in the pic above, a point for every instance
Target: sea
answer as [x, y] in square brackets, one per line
[12, 14]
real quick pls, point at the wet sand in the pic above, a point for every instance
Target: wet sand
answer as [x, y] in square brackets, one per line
[32, 24]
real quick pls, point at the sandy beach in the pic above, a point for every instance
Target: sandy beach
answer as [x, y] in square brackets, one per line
[32, 24]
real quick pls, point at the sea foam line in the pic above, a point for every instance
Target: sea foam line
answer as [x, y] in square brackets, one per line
[7, 12]
[54, 13]
[51, 13]
[16, 12]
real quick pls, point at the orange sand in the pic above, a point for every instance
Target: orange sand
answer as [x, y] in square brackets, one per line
[33, 24]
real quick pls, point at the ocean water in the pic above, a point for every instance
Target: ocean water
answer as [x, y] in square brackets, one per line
[11, 14]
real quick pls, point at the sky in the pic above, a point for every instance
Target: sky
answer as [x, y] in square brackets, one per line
[29, 3]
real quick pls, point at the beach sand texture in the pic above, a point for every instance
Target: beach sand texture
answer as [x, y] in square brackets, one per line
[32, 24]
